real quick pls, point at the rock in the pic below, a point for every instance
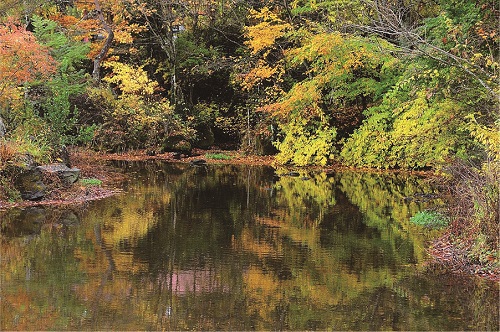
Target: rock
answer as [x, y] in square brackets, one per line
[67, 175]
[198, 162]
[30, 184]
[177, 144]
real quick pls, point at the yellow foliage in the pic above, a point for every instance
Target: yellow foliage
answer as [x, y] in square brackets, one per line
[264, 34]
[303, 98]
[10, 97]
[489, 137]
[123, 37]
[130, 79]
[260, 73]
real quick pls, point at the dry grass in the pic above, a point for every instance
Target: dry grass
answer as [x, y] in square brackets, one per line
[8, 152]
[474, 230]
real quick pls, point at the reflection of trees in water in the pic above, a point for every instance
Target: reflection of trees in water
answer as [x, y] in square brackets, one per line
[303, 198]
[426, 301]
[229, 247]
[382, 198]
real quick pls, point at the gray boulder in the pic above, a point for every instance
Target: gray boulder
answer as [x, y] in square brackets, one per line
[67, 175]
[30, 184]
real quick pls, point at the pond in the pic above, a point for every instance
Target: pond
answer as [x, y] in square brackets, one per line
[224, 247]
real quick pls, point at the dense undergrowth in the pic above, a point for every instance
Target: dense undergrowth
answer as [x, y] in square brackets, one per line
[474, 207]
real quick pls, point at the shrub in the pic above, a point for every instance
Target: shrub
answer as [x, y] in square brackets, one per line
[218, 156]
[90, 182]
[431, 219]
[474, 207]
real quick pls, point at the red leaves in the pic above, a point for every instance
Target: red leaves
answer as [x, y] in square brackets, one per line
[22, 59]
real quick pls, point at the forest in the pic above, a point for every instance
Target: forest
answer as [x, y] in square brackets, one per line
[379, 84]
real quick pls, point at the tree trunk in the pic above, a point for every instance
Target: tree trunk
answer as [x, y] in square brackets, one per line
[3, 130]
[96, 73]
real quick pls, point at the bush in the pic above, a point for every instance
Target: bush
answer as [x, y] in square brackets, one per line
[90, 182]
[431, 219]
[134, 122]
[218, 156]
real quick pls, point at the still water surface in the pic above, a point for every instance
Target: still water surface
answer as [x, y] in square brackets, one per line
[236, 248]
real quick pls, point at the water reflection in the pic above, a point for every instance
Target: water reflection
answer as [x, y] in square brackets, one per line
[239, 248]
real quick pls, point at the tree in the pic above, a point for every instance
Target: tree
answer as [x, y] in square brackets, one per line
[344, 76]
[22, 60]
[107, 44]
[54, 103]
[459, 33]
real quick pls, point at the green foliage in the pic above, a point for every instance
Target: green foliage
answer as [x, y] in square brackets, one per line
[32, 137]
[342, 73]
[69, 54]
[487, 136]
[55, 106]
[204, 114]
[218, 156]
[414, 127]
[131, 122]
[86, 133]
[430, 219]
[194, 58]
[90, 182]
[299, 74]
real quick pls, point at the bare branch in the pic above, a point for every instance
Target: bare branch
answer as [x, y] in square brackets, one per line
[393, 20]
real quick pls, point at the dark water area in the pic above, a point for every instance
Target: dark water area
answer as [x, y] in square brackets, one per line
[223, 247]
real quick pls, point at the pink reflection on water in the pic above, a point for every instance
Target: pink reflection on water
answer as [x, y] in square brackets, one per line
[193, 281]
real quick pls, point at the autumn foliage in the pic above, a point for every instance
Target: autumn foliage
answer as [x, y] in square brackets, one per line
[22, 60]
[317, 82]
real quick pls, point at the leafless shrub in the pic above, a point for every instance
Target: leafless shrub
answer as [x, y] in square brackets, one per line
[474, 209]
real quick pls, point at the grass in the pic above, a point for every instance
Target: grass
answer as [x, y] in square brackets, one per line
[218, 156]
[91, 182]
[431, 219]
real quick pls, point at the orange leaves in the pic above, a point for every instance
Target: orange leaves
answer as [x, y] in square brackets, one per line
[67, 21]
[115, 14]
[22, 59]
[258, 74]
[302, 98]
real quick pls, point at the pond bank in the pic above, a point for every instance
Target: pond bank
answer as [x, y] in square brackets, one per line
[91, 166]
